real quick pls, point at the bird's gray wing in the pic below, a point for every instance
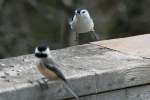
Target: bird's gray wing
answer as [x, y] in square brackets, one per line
[54, 67]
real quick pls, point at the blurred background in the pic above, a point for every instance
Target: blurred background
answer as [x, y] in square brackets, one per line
[26, 23]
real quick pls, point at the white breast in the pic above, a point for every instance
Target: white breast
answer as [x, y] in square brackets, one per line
[82, 25]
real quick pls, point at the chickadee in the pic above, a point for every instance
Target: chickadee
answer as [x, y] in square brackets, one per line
[49, 68]
[82, 23]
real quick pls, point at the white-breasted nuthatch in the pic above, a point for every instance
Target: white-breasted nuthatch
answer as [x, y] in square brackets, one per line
[83, 23]
[49, 68]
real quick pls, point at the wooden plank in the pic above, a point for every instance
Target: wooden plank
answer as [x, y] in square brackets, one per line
[135, 45]
[88, 68]
[135, 93]
[113, 95]
[123, 78]
[139, 93]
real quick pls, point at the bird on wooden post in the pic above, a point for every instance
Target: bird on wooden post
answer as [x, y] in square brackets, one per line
[83, 23]
[49, 68]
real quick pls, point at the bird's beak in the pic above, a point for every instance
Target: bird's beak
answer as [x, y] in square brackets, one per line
[77, 12]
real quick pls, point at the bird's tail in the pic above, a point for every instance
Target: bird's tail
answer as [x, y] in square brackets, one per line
[67, 85]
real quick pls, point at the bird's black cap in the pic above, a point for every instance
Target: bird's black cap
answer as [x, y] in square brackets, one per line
[42, 47]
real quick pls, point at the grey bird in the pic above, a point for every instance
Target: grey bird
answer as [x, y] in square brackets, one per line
[49, 68]
[83, 23]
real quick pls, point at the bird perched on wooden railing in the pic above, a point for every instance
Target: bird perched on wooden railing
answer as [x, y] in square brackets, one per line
[83, 23]
[49, 68]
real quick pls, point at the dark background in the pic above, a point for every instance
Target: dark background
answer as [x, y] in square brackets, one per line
[26, 23]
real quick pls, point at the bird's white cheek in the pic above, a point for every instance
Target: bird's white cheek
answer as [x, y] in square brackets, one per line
[37, 51]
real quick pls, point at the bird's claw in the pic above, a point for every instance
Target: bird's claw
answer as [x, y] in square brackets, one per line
[43, 82]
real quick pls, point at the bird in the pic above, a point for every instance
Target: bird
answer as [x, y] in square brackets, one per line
[83, 23]
[49, 68]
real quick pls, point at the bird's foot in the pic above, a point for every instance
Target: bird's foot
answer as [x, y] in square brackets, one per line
[43, 82]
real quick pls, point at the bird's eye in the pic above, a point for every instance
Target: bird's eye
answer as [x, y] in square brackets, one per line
[83, 12]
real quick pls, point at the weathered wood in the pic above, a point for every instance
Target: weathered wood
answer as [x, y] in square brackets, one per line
[135, 45]
[89, 68]
[123, 78]
[135, 93]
